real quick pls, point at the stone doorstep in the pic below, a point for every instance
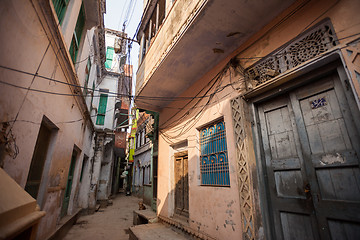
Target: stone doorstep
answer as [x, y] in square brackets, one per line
[65, 225]
[147, 214]
[153, 231]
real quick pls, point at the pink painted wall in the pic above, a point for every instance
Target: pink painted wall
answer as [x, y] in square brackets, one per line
[23, 42]
[214, 210]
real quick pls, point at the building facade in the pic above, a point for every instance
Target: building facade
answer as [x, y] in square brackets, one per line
[60, 96]
[258, 106]
[47, 127]
[110, 111]
[144, 180]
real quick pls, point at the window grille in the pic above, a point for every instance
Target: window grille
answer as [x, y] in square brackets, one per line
[214, 165]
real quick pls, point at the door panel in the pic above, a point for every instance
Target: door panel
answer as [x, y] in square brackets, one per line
[182, 184]
[344, 230]
[332, 143]
[311, 152]
[289, 184]
[324, 123]
[303, 229]
[286, 173]
[339, 183]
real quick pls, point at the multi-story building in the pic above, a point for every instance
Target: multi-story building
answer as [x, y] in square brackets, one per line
[142, 160]
[58, 104]
[258, 105]
[109, 112]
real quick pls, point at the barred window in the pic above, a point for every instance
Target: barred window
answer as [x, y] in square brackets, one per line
[214, 165]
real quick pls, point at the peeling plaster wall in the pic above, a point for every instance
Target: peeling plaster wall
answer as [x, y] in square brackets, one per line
[140, 190]
[105, 179]
[109, 83]
[23, 43]
[84, 185]
[216, 211]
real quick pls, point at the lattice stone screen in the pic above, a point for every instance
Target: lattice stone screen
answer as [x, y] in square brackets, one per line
[307, 46]
[214, 165]
[243, 170]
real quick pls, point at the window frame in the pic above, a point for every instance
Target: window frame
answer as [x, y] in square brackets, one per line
[214, 161]
[76, 39]
[100, 119]
[109, 59]
[60, 7]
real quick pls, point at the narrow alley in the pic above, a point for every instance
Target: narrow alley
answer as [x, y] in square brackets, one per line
[109, 223]
[179, 119]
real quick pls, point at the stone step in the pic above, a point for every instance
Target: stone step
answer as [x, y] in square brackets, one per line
[144, 216]
[154, 231]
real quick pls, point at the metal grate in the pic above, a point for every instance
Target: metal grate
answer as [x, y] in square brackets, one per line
[214, 165]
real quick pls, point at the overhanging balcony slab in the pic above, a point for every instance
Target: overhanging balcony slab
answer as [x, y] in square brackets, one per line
[189, 45]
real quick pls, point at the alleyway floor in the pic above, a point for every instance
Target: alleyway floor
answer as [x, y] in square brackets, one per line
[108, 223]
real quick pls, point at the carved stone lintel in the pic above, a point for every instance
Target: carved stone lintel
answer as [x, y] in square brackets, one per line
[307, 46]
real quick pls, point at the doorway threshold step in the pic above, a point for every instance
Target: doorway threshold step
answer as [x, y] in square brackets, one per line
[153, 231]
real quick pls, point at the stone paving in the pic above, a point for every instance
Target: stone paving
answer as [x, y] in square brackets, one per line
[108, 223]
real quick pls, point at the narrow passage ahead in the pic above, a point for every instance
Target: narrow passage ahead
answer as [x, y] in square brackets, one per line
[108, 223]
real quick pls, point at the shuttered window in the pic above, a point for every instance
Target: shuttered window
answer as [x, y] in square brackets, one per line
[75, 42]
[109, 57]
[102, 109]
[60, 8]
[214, 165]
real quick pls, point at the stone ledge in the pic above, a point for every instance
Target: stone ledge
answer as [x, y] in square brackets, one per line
[65, 225]
[184, 228]
[144, 216]
[153, 231]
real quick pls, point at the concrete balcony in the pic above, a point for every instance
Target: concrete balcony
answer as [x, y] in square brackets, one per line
[194, 37]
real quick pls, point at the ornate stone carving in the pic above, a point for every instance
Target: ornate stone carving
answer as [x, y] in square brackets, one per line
[244, 180]
[351, 55]
[307, 46]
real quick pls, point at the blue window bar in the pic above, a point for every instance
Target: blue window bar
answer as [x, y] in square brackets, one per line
[214, 165]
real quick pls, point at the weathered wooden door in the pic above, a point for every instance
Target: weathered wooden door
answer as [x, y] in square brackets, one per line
[311, 150]
[182, 184]
[68, 186]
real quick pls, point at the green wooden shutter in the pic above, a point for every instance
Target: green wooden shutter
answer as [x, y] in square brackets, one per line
[102, 109]
[75, 42]
[109, 57]
[60, 8]
[80, 24]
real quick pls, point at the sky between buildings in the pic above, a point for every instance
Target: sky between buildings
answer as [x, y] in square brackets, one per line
[118, 11]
